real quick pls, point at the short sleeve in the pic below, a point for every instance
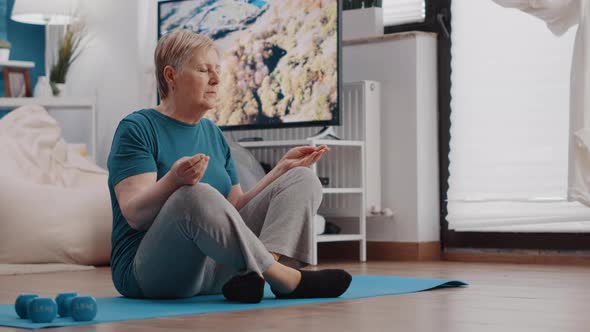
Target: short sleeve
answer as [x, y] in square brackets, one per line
[230, 167]
[132, 152]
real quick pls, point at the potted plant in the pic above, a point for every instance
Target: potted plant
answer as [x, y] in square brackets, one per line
[362, 19]
[4, 50]
[69, 49]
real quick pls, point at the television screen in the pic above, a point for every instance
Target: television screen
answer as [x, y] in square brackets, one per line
[279, 58]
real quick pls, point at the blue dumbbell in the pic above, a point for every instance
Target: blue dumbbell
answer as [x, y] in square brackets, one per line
[21, 303]
[42, 310]
[83, 308]
[67, 304]
[62, 309]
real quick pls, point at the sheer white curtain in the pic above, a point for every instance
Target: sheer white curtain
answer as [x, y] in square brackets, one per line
[509, 123]
[396, 12]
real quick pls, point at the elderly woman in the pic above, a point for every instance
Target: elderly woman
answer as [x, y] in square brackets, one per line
[181, 224]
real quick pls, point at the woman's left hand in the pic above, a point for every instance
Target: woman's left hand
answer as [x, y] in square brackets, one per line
[301, 156]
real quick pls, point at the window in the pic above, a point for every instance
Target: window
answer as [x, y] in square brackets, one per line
[509, 132]
[399, 12]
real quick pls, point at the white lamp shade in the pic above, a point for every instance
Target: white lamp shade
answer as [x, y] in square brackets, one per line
[51, 12]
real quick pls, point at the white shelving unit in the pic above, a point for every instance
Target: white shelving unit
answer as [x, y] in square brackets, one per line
[17, 64]
[67, 104]
[359, 191]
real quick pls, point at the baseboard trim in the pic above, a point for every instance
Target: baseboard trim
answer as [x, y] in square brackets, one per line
[431, 251]
[382, 251]
[517, 257]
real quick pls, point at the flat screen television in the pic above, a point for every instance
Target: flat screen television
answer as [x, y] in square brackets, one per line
[280, 59]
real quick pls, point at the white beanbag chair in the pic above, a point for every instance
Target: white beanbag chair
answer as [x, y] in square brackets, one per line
[54, 204]
[248, 168]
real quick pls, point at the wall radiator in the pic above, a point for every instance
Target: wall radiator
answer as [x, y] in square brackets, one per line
[359, 120]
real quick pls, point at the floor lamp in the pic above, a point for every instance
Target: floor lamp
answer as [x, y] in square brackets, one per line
[44, 12]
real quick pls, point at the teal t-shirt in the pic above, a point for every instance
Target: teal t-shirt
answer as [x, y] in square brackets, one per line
[149, 141]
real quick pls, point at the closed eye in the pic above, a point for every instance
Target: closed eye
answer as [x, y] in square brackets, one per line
[209, 68]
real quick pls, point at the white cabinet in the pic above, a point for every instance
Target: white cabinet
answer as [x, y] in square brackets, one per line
[353, 183]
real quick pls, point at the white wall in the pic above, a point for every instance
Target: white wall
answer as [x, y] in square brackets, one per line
[406, 68]
[428, 199]
[108, 68]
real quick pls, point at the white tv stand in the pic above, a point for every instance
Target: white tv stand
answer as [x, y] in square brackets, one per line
[360, 191]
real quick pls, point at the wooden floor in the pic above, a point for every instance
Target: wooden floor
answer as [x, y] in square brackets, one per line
[500, 298]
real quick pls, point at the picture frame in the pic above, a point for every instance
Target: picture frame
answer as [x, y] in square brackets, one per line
[17, 82]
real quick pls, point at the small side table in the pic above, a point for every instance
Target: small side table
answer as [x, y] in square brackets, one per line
[10, 69]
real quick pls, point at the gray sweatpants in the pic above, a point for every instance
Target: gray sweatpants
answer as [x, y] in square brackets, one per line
[198, 241]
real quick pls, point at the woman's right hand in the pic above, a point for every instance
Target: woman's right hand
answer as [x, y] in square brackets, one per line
[189, 170]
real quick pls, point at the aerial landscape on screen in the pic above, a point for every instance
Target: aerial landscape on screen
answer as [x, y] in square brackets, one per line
[278, 58]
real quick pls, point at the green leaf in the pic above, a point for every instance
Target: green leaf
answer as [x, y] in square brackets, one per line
[70, 47]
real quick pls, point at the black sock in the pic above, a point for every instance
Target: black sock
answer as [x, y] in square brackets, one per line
[248, 288]
[323, 283]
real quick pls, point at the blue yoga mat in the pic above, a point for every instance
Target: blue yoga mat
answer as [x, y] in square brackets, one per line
[112, 309]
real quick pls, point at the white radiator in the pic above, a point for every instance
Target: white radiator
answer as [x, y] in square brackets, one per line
[360, 120]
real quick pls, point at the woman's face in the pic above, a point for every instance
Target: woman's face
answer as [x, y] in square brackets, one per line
[198, 81]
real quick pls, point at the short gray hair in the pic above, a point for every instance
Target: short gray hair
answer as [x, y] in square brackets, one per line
[175, 49]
